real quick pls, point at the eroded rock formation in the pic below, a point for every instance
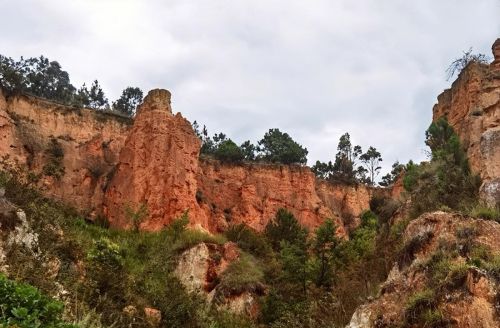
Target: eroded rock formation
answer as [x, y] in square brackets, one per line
[464, 295]
[157, 167]
[472, 107]
[90, 142]
[110, 163]
[199, 270]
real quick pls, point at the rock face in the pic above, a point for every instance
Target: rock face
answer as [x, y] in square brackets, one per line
[251, 194]
[471, 300]
[157, 167]
[199, 270]
[472, 107]
[90, 143]
[110, 163]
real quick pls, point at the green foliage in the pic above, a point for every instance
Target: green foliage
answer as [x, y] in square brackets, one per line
[23, 306]
[485, 212]
[249, 240]
[285, 227]
[446, 181]
[493, 266]
[384, 207]
[55, 155]
[191, 237]
[371, 159]
[248, 149]
[178, 226]
[136, 216]
[324, 245]
[43, 78]
[345, 168]
[241, 275]
[279, 147]
[106, 253]
[420, 306]
[228, 151]
[128, 102]
[294, 259]
[37, 76]
[391, 177]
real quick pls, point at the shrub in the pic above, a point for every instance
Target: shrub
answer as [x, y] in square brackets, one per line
[54, 165]
[284, 227]
[178, 226]
[447, 179]
[418, 306]
[384, 207]
[136, 216]
[249, 240]
[23, 306]
[191, 237]
[485, 212]
[493, 267]
[241, 275]
[229, 152]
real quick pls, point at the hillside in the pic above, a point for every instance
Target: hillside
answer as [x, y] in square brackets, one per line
[119, 222]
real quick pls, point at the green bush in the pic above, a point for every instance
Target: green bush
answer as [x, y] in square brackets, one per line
[178, 226]
[447, 180]
[485, 212]
[23, 306]
[241, 275]
[493, 267]
[191, 237]
[229, 152]
[54, 165]
[419, 305]
[285, 227]
[249, 240]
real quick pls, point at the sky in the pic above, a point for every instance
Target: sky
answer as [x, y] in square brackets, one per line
[314, 69]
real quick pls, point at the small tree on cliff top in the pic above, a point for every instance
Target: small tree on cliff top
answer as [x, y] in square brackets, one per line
[460, 63]
[128, 101]
[279, 147]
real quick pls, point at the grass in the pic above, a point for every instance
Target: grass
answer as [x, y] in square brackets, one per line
[485, 213]
[141, 276]
[241, 275]
[419, 305]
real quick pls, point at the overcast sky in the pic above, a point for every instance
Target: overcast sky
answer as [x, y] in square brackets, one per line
[314, 69]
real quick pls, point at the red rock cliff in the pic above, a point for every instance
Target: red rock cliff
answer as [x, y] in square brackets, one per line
[472, 106]
[110, 164]
[157, 167]
[252, 193]
[90, 140]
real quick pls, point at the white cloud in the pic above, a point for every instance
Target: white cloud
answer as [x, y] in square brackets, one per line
[315, 69]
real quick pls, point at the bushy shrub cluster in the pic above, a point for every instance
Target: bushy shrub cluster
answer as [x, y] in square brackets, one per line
[274, 147]
[23, 306]
[44, 78]
[446, 181]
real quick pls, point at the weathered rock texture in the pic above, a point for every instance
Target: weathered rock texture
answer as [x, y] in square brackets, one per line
[252, 194]
[472, 107]
[111, 163]
[199, 270]
[157, 167]
[90, 140]
[472, 302]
